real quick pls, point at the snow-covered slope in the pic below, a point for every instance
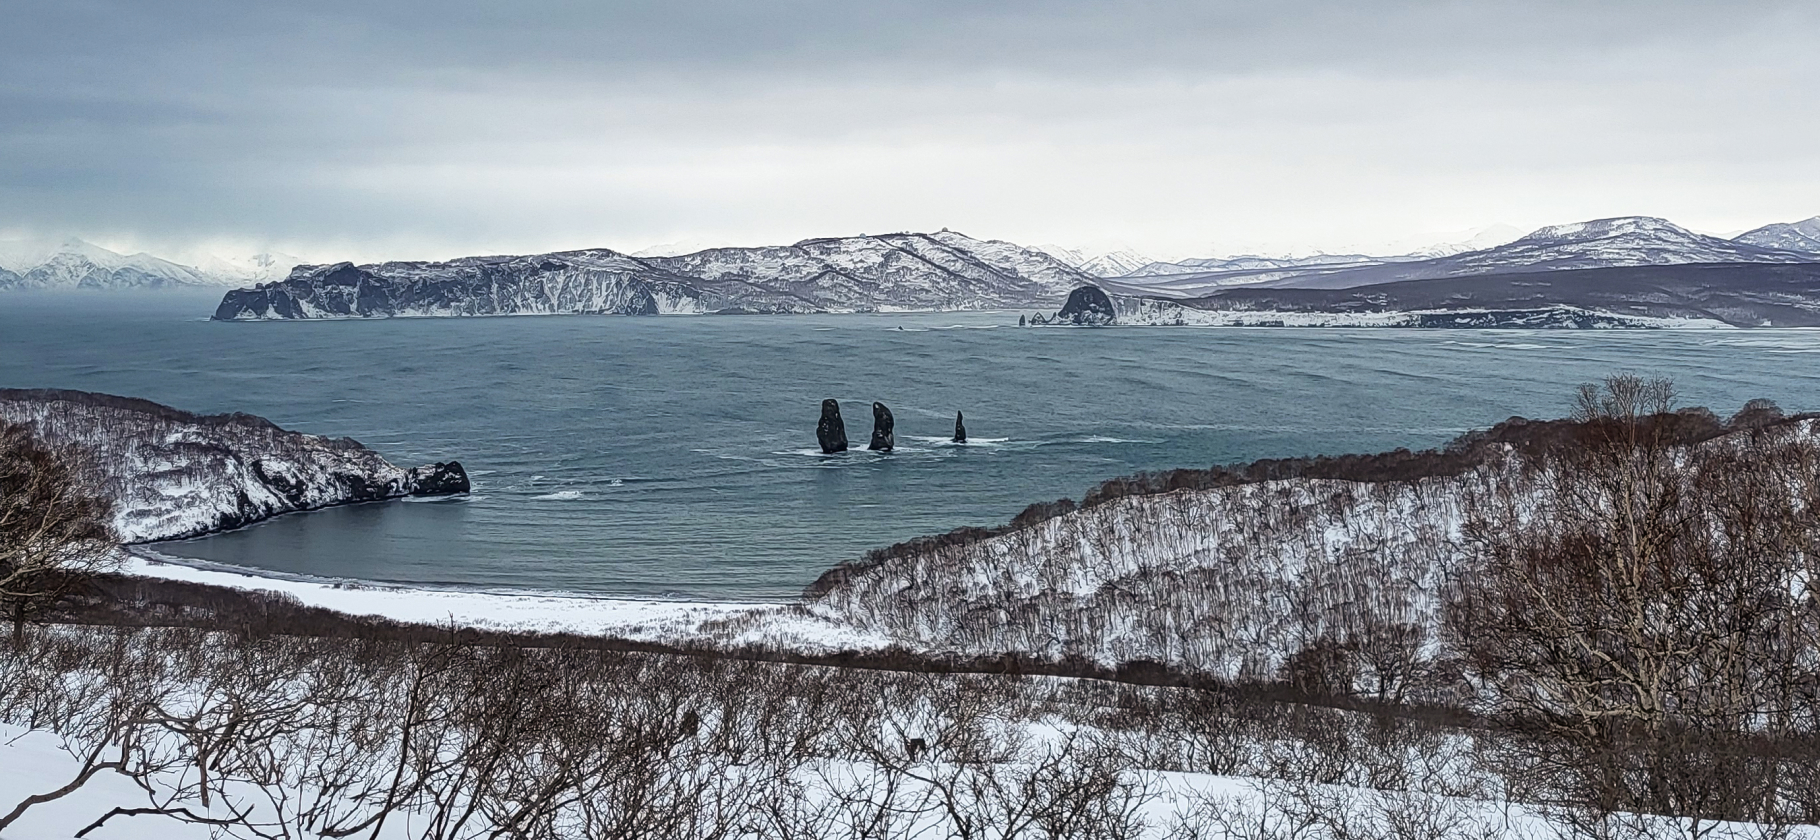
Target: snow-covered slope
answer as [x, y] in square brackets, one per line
[261, 267]
[75, 264]
[1229, 576]
[1802, 237]
[1227, 581]
[1648, 296]
[1141, 311]
[1249, 262]
[173, 474]
[930, 271]
[1114, 263]
[1602, 243]
[576, 281]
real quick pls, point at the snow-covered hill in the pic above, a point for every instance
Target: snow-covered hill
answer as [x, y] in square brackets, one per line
[922, 271]
[173, 474]
[77, 264]
[1114, 263]
[1802, 237]
[260, 267]
[1601, 243]
[1711, 295]
[1229, 575]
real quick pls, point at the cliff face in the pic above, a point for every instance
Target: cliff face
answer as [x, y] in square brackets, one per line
[173, 474]
[939, 271]
[598, 282]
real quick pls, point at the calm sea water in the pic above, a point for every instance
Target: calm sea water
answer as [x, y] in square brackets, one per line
[667, 456]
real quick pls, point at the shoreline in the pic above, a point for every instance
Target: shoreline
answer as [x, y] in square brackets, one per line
[638, 619]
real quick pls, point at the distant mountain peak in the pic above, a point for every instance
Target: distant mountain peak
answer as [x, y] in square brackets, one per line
[74, 262]
[1596, 229]
[1801, 237]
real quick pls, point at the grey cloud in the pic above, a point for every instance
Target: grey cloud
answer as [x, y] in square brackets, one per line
[437, 127]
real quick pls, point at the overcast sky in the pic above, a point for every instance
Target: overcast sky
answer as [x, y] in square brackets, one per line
[373, 128]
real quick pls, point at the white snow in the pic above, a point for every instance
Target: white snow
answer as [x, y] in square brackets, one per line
[1137, 311]
[734, 622]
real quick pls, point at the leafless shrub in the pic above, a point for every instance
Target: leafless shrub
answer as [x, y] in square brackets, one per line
[54, 534]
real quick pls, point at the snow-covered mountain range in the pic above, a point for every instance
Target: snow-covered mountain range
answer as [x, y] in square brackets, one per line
[1685, 295]
[1114, 263]
[173, 474]
[921, 271]
[903, 271]
[77, 264]
[1602, 243]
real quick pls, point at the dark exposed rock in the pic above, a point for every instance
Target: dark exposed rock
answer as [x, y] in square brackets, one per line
[444, 479]
[882, 438]
[831, 432]
[1022, 322]
[960, 429]
[1087, 306]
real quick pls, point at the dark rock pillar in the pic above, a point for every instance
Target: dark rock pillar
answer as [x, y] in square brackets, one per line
[831, 432]
[882, 438]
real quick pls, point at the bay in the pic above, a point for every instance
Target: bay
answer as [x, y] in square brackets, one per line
[676, 456]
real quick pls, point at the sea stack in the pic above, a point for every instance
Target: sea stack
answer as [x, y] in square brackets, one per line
[1087, 306]
[960, 429]
[882, 438]
[831, 432]
[444, 479]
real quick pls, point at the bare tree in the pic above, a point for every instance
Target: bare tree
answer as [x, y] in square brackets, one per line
[1641, 610]
[53, 533]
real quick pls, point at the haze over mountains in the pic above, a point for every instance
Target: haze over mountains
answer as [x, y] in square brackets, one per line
[77, 264]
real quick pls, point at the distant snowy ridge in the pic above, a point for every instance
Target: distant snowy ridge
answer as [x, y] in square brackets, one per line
[902, 271]
[1602, 243]
[75, 264]
[173, 474]
[1626, 241]
[1115, 263]
[1138, 311]
[1802, 237]
[1779, 293]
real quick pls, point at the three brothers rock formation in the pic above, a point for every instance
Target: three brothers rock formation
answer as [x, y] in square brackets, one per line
[831, 432]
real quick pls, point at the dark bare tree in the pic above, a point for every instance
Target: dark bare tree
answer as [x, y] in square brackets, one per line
[54, 533]
[1642, 613]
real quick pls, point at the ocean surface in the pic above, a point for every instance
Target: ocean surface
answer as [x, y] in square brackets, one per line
[676, 456]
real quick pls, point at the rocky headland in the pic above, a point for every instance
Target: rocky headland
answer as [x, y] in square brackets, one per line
[173, 474]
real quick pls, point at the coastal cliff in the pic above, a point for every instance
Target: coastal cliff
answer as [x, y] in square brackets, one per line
[173, 474]
[901, 271]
